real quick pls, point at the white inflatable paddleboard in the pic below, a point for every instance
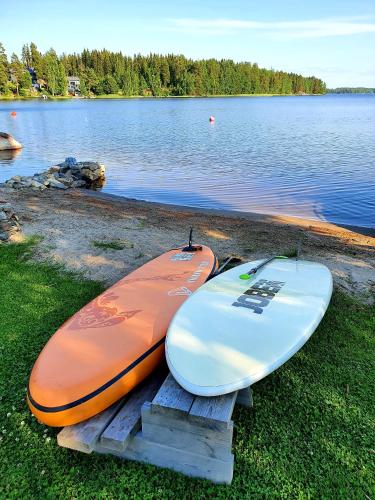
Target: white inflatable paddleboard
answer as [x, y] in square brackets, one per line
[232, 332]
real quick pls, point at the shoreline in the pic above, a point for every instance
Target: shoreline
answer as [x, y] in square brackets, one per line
[256, 216]
[78, 229]
[118, 96]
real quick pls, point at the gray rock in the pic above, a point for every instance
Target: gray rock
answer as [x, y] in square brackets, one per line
[16, 178]
[57, 184]
[37, 185]
[39, 179]
[68, 175]
[54, 168]
[70, 161]
[66, 181]
[86, 172]
[3, 216]
[4, 236]
[7, 207]
[89, 164]
[79, 183]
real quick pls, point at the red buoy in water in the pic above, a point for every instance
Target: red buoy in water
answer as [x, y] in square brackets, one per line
[13, 113]
[211, 119]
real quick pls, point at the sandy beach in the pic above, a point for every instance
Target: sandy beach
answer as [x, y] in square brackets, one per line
[70, 222]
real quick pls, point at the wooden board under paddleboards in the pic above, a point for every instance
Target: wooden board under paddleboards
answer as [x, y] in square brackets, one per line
[115, 341]
[233, 332]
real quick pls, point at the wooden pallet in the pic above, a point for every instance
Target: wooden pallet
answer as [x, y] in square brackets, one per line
[162, 424]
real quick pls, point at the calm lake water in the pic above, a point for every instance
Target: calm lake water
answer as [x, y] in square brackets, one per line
[304, 156]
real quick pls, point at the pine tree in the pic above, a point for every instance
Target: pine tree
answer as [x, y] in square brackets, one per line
[36, 60]
[16, 71]
[51, 71]
[26, 56]
[61, 81]
[4, 70]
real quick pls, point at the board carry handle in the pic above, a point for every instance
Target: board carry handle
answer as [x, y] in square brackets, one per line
[254, 270]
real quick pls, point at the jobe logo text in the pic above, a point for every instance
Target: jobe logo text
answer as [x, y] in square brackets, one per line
[259, 295]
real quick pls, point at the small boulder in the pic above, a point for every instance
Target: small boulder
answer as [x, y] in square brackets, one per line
[70, 161]
[57, 184]
[37, 185]
[7, 207]
[53, 169]
[8, 142]
[78, 184]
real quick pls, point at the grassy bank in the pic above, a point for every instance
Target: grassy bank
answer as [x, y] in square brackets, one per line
[309, 435]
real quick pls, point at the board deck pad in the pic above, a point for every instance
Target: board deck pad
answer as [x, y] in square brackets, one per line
[115, 341]
[233, 332]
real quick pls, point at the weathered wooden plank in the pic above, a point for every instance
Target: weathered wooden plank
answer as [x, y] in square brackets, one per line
[84, 435]
[182, 434]
[190, 464]
[172, 399]
[215, 411]
[199, 427]
[245, 397]
[128, 420]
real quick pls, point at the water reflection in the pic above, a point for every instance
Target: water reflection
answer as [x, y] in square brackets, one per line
[8, 154]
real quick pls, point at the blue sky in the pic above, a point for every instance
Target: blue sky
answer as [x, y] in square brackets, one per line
[331, 39]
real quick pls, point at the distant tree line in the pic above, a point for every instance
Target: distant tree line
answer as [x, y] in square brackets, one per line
[351, 90]
[105, 72]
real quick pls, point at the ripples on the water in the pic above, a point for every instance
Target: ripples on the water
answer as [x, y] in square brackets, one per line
[304, 156]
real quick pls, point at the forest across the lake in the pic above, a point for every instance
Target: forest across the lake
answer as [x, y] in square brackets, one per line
[352, 90]
[102, 72]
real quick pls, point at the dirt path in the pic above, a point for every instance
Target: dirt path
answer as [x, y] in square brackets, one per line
[71, 221]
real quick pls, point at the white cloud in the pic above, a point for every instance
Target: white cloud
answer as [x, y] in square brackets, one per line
[289, 29]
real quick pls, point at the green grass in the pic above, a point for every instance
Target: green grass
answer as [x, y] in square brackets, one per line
[113, 245]
[310, 434]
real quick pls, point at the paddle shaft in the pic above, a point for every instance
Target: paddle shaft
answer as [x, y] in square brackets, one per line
[254, 270]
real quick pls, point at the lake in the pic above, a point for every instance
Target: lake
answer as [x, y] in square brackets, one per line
[308, 156]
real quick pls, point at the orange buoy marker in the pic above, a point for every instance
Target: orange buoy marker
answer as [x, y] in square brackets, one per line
[211, 119]
[13, 113]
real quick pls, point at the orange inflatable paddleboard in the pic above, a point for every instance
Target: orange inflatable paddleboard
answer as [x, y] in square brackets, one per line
[115, 341]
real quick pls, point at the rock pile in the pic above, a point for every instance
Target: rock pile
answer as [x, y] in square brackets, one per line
[69, 174]
[8, 221]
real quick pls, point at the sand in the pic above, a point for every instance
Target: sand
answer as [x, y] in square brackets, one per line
[71, 221]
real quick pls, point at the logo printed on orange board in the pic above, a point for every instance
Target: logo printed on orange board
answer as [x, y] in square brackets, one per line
[163, 277]
[182, 290]
[183, 257]
[100, 313]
